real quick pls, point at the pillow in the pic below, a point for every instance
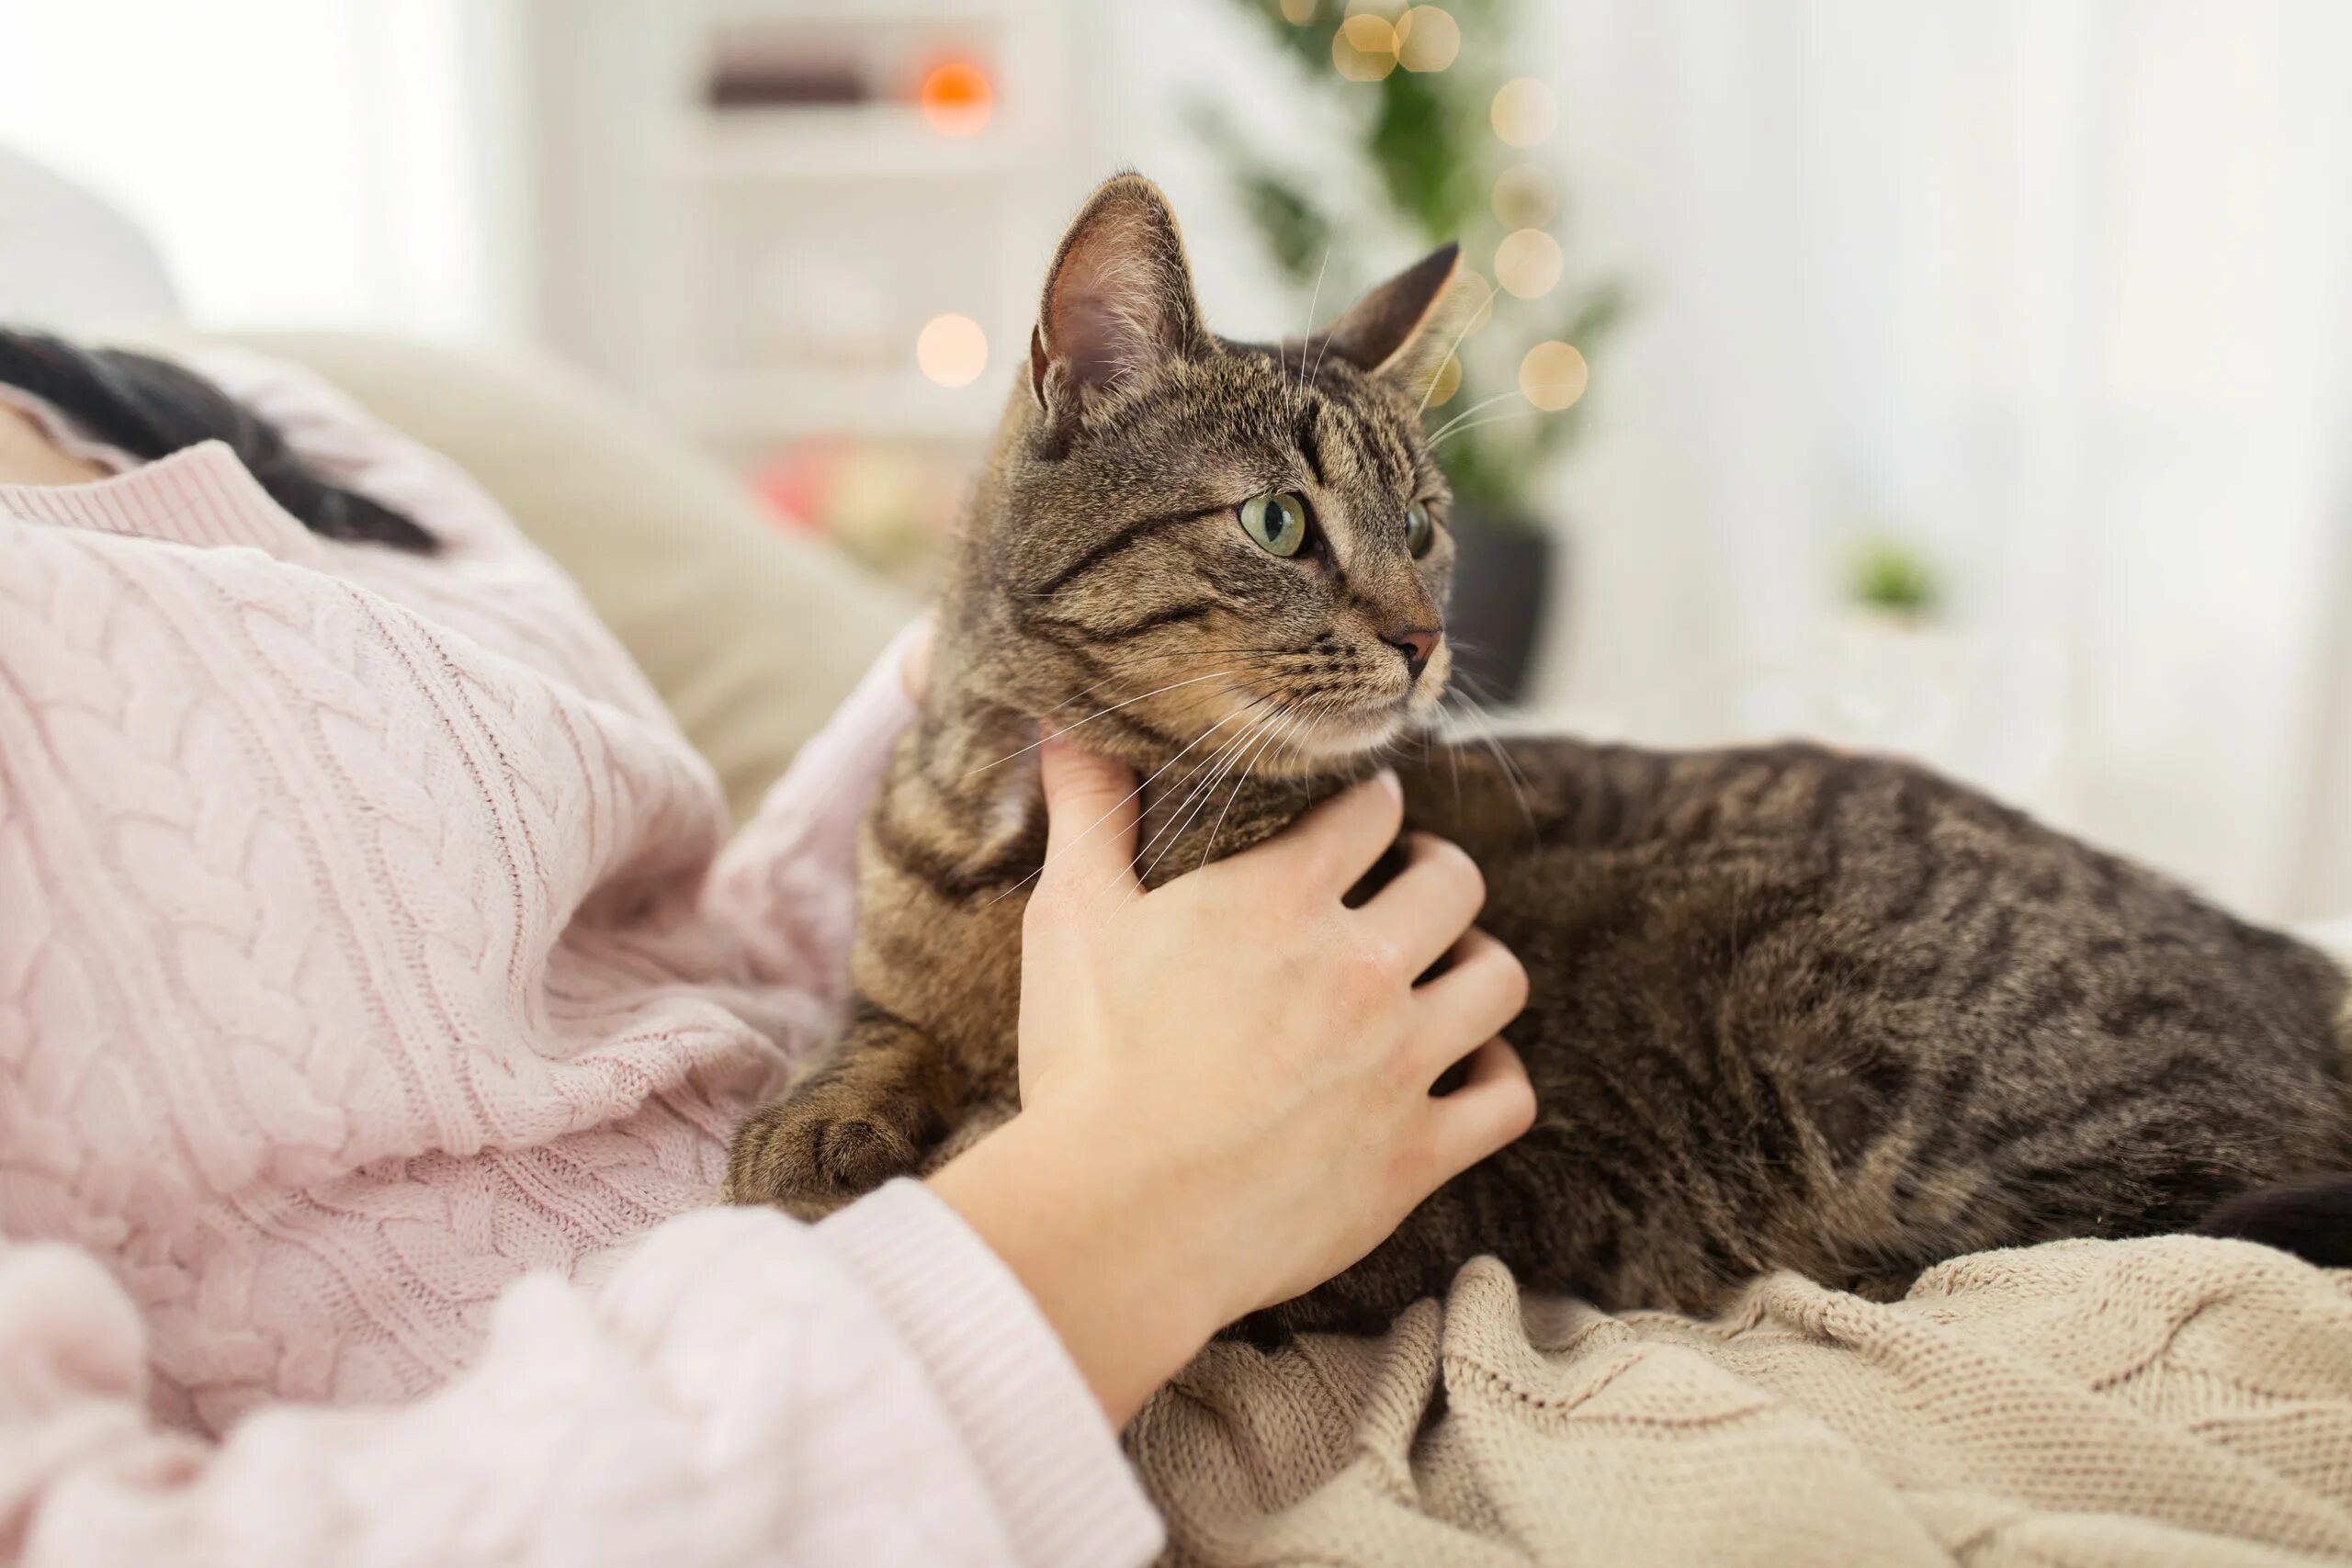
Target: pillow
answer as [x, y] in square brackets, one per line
[751, 634]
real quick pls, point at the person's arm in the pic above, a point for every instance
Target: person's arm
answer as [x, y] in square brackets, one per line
[743, 1390]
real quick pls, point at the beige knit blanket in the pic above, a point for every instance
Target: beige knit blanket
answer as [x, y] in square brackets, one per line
[2175, 1401]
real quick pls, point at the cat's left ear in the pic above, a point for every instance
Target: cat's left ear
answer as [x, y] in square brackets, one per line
[1401, 331]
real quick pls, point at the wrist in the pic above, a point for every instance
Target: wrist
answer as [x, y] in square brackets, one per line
[1106, 1245]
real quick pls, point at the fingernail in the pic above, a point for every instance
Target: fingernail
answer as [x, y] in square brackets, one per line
[1388, 780]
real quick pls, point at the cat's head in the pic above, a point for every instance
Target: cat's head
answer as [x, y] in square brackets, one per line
[1205, 543]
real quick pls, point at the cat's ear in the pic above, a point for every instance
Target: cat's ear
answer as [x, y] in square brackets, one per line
[1118, 298]
[1402, 331]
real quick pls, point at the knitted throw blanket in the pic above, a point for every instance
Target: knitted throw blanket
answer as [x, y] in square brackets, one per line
[2175, 1401]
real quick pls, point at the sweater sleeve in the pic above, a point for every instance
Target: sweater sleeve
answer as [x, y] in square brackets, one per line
[786, 883]
[744, 1390]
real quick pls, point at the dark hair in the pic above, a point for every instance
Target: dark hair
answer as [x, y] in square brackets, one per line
[151, 408]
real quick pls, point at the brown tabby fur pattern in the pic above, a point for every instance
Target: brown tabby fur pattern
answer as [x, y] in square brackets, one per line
[1790, 1009]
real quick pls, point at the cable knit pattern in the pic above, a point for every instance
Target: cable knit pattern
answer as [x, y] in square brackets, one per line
[372, 977]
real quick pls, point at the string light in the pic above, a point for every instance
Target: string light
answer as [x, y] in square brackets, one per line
[952, 350]
[1528, 263]
[1523, 112]
[1364, 48]
[1553, 375]
[1298, 12]
[1427, 38]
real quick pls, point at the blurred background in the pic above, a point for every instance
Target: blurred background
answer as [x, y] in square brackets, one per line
[1966, 378]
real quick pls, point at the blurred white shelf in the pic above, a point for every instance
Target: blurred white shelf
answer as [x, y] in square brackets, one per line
[754, 406]
[705, 255]
[834, 144]
[769, 13]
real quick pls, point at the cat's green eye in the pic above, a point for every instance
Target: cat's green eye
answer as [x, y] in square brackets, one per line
[1419, 530]
[1277, 522]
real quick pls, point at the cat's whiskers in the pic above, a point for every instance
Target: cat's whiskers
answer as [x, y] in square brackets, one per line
[1201, 794]
[1491, 419]
[1056, 735]
[1442, 431]
[1307, 333]
[1215, 652]
[1285, 724]
[1467, 327]
[1256, 744]
[1198, 793]
[1473, 710]
[1193, 784]
[1098, 822]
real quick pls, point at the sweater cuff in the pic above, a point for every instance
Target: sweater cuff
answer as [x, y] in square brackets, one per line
[1040, 1440]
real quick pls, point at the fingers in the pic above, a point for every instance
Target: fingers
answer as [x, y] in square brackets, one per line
[1480, 992]
[1422, 911]
[1495, 1104]
[1332, 847]
[1090, 810]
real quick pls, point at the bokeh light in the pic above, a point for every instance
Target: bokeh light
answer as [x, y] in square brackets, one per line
[953, 350]
[1465, 300]
[1364, 48]
[1525, 113]
[955, 98]
[1553, 375]
[1448, 382]
[1528, 263]
[1427, 38]
[1526, 197]
[1298, 12]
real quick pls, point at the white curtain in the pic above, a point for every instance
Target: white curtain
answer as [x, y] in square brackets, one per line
[2061, 290]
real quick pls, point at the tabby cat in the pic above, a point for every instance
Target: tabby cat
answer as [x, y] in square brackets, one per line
[1791, 1007]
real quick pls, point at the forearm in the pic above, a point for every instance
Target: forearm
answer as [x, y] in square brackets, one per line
[1114, 1250]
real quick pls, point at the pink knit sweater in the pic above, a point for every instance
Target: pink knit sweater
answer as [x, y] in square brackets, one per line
[377, 993]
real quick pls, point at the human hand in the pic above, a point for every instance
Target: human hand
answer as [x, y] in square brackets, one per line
[1225, 1083]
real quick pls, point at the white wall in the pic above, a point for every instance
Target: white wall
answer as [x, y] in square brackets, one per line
[322, 162]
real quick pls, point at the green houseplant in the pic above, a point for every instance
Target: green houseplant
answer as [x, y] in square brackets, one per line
[1447, 145]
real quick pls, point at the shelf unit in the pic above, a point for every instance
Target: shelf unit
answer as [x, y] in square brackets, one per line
[759, 273]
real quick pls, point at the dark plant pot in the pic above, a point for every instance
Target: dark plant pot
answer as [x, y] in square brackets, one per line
[1502, 585]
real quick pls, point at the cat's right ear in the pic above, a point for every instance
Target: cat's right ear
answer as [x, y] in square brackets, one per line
[1118, 298]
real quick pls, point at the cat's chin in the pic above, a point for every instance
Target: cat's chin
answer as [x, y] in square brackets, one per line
[1340, 737]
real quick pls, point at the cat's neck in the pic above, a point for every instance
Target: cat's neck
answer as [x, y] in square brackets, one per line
[1201, 798]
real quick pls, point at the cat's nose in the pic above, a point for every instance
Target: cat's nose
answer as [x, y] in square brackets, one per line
[1416, 643]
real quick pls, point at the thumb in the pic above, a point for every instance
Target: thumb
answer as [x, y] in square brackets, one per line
[1091, 811]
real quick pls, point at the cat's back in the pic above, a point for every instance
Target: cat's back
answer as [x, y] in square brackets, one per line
[1795, 992]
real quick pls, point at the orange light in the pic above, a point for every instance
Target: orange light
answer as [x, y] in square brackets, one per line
[1364, 48]
[1427, 38]
[1528, 262]
[1553, 375]
[1523, 112]
[956, 98]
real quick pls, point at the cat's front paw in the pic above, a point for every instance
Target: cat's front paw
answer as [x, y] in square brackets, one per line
[810, 1153]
